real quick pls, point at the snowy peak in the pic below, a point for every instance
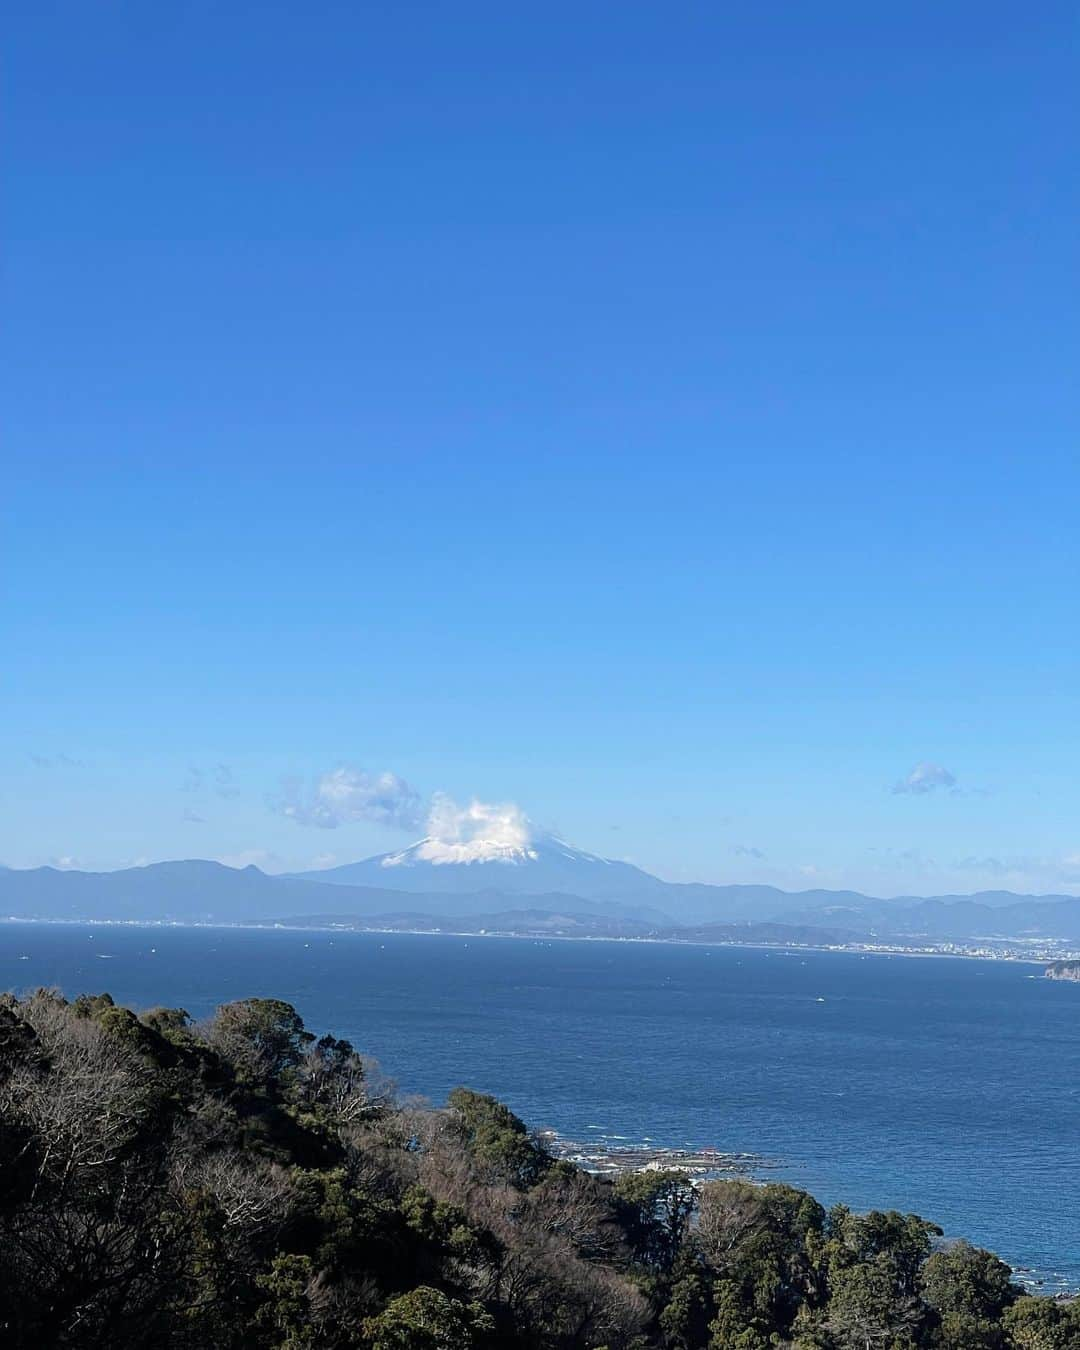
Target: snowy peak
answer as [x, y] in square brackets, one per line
[508, 852]
[440, 853]
[523, 864]
[475, 836]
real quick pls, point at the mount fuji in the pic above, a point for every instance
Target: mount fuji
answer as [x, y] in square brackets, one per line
[529, 866]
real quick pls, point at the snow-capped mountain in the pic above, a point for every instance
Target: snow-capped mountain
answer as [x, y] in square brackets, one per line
[518, 866]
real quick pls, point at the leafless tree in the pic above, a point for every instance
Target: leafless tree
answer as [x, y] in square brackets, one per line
[84, 1108]
[252, 1193]
[729, 1212]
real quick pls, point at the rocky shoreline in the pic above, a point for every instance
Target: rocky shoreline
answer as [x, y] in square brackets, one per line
[607, 1155]
[611, 1156]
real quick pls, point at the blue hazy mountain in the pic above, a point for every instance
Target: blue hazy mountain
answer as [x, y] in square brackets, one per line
[538, 866]
[189, 890]
[198, 891]
[541, 876]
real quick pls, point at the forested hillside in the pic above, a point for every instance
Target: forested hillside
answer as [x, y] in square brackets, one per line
[242, 1184]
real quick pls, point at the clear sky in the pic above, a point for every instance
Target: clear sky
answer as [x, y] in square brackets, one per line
[662, 417]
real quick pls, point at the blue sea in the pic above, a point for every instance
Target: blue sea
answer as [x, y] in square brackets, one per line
[945, 1087]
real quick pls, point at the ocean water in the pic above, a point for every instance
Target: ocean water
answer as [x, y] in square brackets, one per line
[945, 1087]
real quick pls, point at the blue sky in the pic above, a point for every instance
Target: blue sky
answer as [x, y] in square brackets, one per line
[663, 418]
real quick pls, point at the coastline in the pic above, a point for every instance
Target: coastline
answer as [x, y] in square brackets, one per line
[849, 949]
[763, 1163]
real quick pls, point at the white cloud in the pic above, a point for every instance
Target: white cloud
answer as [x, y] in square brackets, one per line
[748, 851]
[346, 795]
[478, 832]
[927, 777]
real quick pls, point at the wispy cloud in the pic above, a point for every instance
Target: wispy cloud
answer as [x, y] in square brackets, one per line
[994, 866]
[192, 817]
[347, 795]
[927, 777]
[60, 761]
[746, 851]
[1063, 870]
[219, 779]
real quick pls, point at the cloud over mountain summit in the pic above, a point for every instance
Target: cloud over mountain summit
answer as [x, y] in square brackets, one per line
[478, 832]
[475, 832]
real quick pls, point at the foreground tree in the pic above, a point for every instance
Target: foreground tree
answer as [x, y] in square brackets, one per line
[425, 1319]
[240, 1185]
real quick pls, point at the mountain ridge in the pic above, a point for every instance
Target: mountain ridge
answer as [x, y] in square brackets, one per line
[529, 867]
[199, 890]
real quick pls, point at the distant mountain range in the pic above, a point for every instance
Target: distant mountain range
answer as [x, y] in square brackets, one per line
[546, 877]
[196, 891]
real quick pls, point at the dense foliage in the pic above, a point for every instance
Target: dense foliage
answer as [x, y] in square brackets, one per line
[241, 1183]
